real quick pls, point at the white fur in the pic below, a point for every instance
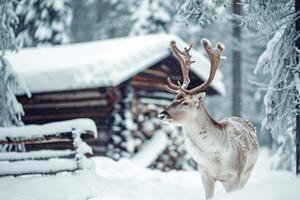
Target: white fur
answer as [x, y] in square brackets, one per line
[225, 151]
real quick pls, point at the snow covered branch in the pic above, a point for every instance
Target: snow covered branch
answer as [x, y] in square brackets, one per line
[277, 20]
[8, 21]
[201, 12]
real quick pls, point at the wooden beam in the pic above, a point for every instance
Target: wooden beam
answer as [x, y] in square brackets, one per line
[32, 110]
[97, 120]
[73, 104]
[158, 85]
[156, 72]
[63, 116]
[59, 145]
[36, 155]
[37, 141]
[88, 94]
[27, 167]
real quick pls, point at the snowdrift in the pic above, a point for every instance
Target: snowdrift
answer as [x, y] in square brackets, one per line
[125, 180]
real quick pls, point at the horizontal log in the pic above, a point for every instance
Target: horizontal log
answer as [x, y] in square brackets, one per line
[160, 102]
[150, 80]
[157, 72]
[50, 166]
[100, 122]
[149, 84]
[162, 66]
[63, 116]
[149, 90]
[87, 134]
[160, 86]
[160, 73]
[155, 95]
[150, 76]
[37, 141]
[71, 95]
[101, 90]
[100, 111]
[73, 104]
[42, 173]
[65, 96]
[59, 137]
[50, 146]
[36, 155]
[34, 100]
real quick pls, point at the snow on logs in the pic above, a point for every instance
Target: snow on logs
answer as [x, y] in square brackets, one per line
[46, 149]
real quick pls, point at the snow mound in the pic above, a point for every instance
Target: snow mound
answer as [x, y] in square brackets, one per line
[60, 187]
[278, 190]
[124, 180]
[151, 150]
[275, 190]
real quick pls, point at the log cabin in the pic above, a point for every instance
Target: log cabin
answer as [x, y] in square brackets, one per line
[85, 80]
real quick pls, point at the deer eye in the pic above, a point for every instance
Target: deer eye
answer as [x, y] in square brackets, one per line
[185, 103]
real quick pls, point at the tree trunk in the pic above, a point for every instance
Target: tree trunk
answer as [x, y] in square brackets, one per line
[236, 61]
[297, 44]
[298, 144]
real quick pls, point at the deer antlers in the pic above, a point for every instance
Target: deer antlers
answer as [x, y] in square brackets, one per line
[184, 58]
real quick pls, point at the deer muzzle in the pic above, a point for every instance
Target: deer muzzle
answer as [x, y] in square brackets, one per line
[163, 115]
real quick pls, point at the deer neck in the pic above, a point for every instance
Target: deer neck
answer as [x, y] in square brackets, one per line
[203, 123]
[204, 119]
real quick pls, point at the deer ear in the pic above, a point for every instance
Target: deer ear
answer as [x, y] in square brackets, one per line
[200, 96]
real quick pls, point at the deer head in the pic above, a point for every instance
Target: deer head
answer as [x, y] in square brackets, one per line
[187, 101]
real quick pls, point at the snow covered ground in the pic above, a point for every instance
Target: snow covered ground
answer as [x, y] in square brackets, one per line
[124, 180]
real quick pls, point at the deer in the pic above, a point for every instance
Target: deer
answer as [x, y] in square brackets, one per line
[226, 150]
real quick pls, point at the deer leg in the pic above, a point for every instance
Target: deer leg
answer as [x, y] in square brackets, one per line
[209, 185]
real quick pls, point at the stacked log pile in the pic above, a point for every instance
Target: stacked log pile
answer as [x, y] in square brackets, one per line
[47, 149]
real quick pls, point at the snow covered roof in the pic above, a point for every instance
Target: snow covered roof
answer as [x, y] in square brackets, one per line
[100, 63]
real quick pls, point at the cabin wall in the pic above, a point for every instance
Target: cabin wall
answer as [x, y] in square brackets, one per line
[57, 106]
[98, 103]
[154, 79]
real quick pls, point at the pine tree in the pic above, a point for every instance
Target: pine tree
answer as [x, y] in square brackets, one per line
[43, 22]
[153, 16]
[11, 109]
[10, 82]
[85, 17]
[200, 12]
[116, 19]
[276, 20]
[252, 97]
[122, 18]
[9, 21]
